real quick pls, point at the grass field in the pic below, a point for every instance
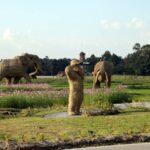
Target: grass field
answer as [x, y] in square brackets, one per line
[29, 124]
[137, 86]
[40, 129]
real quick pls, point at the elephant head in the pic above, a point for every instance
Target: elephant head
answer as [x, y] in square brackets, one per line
[96, 79]
[102, 72]
[32, 64]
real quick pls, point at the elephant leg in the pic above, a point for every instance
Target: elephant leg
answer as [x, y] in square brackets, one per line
[108, 80]
[27, 78]
[96, 85]
[8, 80]
[34, 77]
[16, 80]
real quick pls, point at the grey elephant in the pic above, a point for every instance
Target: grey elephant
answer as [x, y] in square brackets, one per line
[26, 65]
[102, 73]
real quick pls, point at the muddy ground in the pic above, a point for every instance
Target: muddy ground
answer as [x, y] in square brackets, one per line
[11, 145]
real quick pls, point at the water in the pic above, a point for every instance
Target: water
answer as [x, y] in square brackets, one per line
[134, 104]
[120, 106]
[60, 115]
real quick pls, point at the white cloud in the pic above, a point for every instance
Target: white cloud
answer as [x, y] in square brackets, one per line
[134, 23]
[17, 41]
[7, 35]
[110, 24]
[11, 35]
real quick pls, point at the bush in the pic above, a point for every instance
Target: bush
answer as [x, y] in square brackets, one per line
[102, 102]
[119, 97]
[24, 87]
[18, 101]
[98, 101]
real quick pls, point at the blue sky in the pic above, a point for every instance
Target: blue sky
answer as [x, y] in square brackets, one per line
[64, 28]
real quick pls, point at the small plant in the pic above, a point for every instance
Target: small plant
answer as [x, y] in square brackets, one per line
[97, 104]
[40, 137]
[24, 87]
[99, 100]
[34, 101]
[119, 97]
[102, 102]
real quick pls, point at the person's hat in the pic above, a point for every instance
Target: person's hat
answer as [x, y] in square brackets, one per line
[75, 62]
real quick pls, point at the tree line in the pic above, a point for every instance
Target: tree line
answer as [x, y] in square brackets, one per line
[136, 63]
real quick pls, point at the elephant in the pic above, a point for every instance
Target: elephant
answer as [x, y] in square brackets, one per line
[30, 69]
[102, 73]
[26, 65]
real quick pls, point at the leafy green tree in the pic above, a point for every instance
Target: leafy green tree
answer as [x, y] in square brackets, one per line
[54, 66]
[118, 64]
[138, 62]
[92, 61]
[137, 46]
[106, 56]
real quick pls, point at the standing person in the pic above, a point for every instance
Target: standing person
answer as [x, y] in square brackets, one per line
[75, 76]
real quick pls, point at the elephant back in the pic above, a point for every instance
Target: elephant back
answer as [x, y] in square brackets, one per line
[9, 62]
[103, 66]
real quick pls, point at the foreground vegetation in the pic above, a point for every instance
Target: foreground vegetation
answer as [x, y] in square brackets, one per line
[55, 93]
[36, 128]
[23, 107]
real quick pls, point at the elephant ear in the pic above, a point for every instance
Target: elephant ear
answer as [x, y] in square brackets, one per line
[24, 60]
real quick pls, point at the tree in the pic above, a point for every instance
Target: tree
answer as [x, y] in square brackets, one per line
[138, 62]
[118, 64]
[92, 61]
[54, 66]
[146, 47]
[106, 56]
[137, 46]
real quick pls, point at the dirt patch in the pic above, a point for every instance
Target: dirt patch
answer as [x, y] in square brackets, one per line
[91, 113]
[9, 112]
[60, 115]
[74, 144]
[101, 112]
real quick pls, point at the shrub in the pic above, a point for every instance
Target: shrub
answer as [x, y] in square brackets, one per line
[24, 87]
[98, 104]
[119, 97]
[102, 102]
[22, 101]
[98, 101]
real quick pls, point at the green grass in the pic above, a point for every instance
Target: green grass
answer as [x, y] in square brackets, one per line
[102, 100]
[137, 86]
[35, 101]
[140, 95]
[41, 129]
[126, 88]
[55, 82]
[30, 126]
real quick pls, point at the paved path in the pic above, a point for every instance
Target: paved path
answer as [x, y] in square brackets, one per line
[139, 146]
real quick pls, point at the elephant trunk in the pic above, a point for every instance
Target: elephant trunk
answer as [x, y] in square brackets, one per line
[96, 82]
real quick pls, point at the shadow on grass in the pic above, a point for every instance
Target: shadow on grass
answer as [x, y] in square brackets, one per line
[117, 82]
[134, 111]
[138, 87]
[136, 94]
